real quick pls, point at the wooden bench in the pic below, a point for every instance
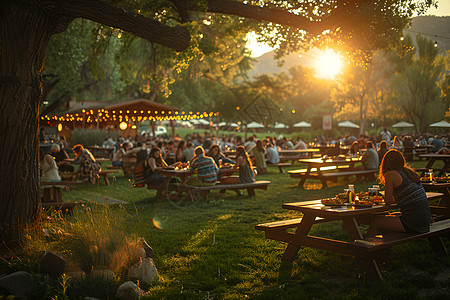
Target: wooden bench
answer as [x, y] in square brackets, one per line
[113, 167]
[281, 225]
[323, 177]
[52, 195]
[260, 184]
[280, 165]
[286, 158]
[376, 247]
[105, 175]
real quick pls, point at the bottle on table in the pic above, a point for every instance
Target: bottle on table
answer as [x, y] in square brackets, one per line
[351, 196]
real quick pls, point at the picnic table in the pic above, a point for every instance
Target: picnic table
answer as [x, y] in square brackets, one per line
[444, 205]
[315, 166]
[52, 195]
[100, 151]
[314, 212]
[432, 158]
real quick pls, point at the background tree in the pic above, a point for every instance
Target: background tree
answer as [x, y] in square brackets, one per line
[415, 87]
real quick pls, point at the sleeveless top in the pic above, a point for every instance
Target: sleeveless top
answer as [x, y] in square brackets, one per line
[246, 174]
[413, 203]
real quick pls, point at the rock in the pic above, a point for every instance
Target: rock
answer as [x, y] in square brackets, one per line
[147, 248]
[129, 290]
[103, 273]
[17, 284]
[53, 263]
[145, 270]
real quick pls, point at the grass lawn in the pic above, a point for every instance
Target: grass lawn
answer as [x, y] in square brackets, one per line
[212, 251]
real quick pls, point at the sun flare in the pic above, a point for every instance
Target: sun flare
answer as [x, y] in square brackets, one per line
[328, 64]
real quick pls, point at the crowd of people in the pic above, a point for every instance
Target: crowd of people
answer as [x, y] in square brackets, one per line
[251, 154]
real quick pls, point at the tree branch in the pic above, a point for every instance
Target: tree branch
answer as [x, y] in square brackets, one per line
[177, 37]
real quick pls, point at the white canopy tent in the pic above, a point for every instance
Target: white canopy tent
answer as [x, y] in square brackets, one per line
[348, 124]
[402, 124]
[255, 125]
[280, 126]
[302, 124]
[442, 123]
[203, 122]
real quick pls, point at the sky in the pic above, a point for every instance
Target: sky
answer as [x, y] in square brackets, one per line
[259, 49]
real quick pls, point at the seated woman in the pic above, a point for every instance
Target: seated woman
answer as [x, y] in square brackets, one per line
[48, 168]
[243, 162]
[397, 143]
[154, 160]
[259, 153]
[354, 149]
[89, 168]
[179, 153]
[402, 186]
[382, 149]
[217, 155]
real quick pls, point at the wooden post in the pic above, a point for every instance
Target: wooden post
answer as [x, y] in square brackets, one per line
[172, 124]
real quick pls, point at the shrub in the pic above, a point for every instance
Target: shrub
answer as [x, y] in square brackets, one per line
[91, 137]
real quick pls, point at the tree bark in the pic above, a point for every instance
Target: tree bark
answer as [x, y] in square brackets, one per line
[24, 34]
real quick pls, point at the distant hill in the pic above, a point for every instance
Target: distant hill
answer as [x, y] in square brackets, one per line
[430, 26]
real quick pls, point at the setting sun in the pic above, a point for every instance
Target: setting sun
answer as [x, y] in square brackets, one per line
[328, 64]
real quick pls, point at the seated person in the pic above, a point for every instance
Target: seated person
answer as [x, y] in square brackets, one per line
[370, 158]
[437, 144]
[402, 186]
[154, 160]
[48, 168]
[382, 149]
[117, 160]
[60, 157]
[397, 143]
[259, 152]
[217, 155]
[89, 168]
[243, 162]
[206, 169]
[408, 147]
[272, 154]
[354, 149]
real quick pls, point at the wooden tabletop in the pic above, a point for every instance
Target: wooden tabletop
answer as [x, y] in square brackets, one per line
[329, 160]
[435, 155]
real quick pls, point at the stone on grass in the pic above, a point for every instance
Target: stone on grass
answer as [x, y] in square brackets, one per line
[17, 284]
[129, 290]
[103, 273]
[53, 264]
[144, 270]
[147, 248]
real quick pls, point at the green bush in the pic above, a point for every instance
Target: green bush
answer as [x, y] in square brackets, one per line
[91, 137]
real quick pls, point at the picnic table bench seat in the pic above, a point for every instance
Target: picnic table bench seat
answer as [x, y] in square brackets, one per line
[282, 225]
[280, 165]
[204, 190]
[113, 167]
[286, 158]
[250, 186]
[373, 244]
[73, 175]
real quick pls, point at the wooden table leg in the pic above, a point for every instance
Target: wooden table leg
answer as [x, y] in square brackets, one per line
[106, 179]
[303, 228]
[302, 181]
[285, 271]
[370, 265]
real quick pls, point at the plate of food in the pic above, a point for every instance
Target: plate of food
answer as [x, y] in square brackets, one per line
[333, 202]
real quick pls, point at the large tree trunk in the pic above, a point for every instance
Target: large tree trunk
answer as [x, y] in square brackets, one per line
[24, 34]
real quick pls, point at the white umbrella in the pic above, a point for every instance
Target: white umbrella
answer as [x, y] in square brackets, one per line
[348, 124]
[280, 125]
[222, 124]
[255, 125]
[233, 125]
[402, 124]
[302, 124]
[194, 121]
[440, 124]
[203, 122]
